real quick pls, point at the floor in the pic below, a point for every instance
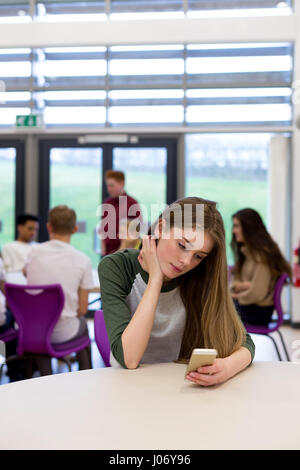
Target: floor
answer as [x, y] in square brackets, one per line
[265, 350]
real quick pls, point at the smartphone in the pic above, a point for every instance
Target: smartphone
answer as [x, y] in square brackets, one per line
[199, 358]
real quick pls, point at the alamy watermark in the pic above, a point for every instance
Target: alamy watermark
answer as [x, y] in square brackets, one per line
[187, 219]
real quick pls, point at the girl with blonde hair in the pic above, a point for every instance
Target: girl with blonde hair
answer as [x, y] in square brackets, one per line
[172, 296]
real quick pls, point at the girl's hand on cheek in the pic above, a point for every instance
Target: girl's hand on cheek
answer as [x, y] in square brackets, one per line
[149, 260]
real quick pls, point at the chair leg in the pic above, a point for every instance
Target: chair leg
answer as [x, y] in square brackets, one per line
[283, 345]
[276, 347]
[1, 369]
[64, 359]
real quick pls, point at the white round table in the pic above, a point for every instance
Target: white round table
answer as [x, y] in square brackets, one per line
[153, 407]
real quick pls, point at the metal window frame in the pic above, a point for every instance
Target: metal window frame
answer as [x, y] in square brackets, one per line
[182, 81]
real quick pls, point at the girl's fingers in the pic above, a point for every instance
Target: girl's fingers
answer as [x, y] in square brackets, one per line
[205, 380]
[149, 242]
[207, 370]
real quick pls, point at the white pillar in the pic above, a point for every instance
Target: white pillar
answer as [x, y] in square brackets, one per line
[295, 313]
[278, 190]
[278, 210]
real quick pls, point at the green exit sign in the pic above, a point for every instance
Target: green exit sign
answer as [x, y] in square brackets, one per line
[30, 120]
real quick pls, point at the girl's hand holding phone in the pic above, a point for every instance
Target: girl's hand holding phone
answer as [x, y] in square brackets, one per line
[215, 374]
[148, 259]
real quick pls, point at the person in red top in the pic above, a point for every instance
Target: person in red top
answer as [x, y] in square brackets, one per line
[119, 204]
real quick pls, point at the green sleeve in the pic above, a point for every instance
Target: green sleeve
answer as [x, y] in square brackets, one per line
[249, 344]
[115, 286]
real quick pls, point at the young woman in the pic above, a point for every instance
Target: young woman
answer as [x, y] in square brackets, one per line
[172, 296]
[258, 264]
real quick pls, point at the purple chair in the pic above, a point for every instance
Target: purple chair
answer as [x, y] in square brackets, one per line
[9, 335]
[101, 337]
[266, 330]
[36, 310]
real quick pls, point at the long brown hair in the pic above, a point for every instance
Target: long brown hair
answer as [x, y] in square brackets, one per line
[211, 318]
[260, 244]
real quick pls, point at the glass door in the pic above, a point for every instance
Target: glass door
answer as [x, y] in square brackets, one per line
[72, 176]
[11, 188]
[231, 169]
[150, 169]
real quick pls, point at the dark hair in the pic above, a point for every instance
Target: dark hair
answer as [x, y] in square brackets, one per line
[260, 244]
[23, 218]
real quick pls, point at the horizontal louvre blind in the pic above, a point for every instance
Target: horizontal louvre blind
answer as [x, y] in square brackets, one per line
[182, 85]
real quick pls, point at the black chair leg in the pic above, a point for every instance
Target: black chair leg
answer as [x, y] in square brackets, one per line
[64, 359]
[283, 345]
[276, 347]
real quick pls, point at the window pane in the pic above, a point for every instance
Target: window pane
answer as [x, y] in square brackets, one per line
[74, 95]
[7, 194]
[146, 180]
[237, 92]
[14, 12]
[8, 115]
[238, 64]
[75, 180]
[68, 68]
[146, 9]
[230, 169]
[239, 113]
[145, 94]
[48, 10]
[74, 115]
[146, 67]
[14, 96]
[145, 114]
[15, 69]
[229, 8]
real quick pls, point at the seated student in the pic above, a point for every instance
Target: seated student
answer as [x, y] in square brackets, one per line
[128, 235]
[14, 371]
[56, 261]
[172, 296]
[258, 264]
[15, 253]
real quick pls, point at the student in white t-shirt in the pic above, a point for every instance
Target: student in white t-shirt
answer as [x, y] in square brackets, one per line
[15, 253]
[56, 261]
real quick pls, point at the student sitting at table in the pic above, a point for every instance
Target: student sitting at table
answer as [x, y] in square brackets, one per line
[15, 254]
[56, 261]
[172, 296]
[258, 264]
